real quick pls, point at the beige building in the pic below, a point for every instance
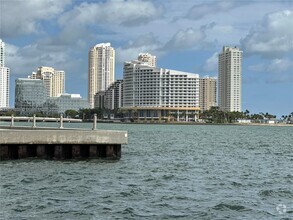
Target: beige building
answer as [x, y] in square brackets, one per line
[54, 80]
[101, 69]
[148, 58]
[207, 93]
[230, 79]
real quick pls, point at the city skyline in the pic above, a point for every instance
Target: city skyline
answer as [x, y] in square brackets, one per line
[184, 36]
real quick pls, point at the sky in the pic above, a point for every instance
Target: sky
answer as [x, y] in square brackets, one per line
[184, 35]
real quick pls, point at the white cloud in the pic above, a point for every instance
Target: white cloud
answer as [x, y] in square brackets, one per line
[143, 44]
[211, 64]
[121, 12]
[186, 39]
[276, 71]
[201, 10]
[273, 37]
[183, 39]
[280, 65]
[23, 60]
[24, 17]
[275, 66]
[257, 67]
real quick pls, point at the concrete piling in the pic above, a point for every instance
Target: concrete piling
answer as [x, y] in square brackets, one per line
[4, 152]
[41, 151]
[75, 151]
[93, 153]
[22, 151]
[58, 152]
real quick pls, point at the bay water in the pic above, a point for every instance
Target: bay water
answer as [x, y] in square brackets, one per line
[166, 172]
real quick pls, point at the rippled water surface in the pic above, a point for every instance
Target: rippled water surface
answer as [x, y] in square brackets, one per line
[166, 171]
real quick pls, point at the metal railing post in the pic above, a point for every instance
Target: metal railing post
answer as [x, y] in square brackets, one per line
[61, 121]
[95, 122]
[34, 121]
[12, 120]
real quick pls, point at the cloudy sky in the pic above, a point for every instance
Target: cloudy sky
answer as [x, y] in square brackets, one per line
[184, 35]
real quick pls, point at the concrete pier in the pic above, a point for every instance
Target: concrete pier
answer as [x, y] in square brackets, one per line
[19, 143]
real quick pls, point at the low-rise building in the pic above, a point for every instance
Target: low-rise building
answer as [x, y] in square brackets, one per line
[99, 100]
[114, 96]
[31, 97]
[65, 102]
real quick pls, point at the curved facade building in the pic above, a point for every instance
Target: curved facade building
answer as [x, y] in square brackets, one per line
[160, 93]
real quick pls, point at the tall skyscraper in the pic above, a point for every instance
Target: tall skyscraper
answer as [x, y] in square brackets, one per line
[54, 80]
[230, 74]
[148, 58]
[101, 69]
[207, 93]
[2, 53]
[4, 78]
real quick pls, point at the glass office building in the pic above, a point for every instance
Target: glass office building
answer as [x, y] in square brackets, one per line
[30, 95]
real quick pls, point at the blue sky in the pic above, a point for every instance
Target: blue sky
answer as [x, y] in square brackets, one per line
[184, 35]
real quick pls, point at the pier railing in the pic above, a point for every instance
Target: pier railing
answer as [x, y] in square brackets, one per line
[19, 142]
[35, 119]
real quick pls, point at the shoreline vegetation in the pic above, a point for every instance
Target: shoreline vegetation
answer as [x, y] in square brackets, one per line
[164, 123]
[214, 116]
[196, 123]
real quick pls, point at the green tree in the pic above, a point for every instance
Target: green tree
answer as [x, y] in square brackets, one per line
[71, 113]
[88, 113]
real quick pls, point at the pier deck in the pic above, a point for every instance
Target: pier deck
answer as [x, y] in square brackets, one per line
[23, 142]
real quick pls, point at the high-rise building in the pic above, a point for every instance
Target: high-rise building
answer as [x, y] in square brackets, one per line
[207, 92]
[4, 87]
[4, 78]
[54, 80]
[2, 53]
[148, 58]
[229, 79]
[158, 93]
[101, 69]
